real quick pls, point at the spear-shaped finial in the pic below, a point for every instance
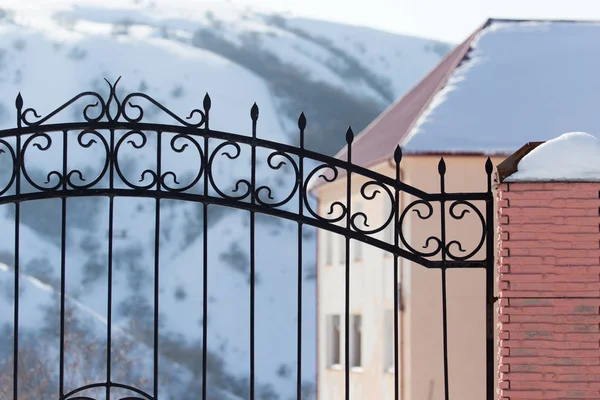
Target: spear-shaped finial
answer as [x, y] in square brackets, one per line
[19, 101]
[302, 121]
[206, 103]
[489, 167]
[442, 166]
[398, 154]
[349, 135]
[254, 112]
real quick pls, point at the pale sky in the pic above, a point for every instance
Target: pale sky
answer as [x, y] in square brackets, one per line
[448, 20]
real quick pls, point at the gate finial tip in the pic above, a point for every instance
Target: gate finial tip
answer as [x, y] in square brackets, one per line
[489, 167]
[398, 154]
[302, 121]
[254, 112]
[349, 135]
[19, 101]
[206, 103]
[442, 166]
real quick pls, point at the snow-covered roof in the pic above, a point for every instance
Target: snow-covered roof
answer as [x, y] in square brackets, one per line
[515, 82]
[523, 81]
[572, 156]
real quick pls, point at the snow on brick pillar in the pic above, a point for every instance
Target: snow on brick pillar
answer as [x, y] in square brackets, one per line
[549, 270]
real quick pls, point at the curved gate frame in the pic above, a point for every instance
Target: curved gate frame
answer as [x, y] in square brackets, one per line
[113, 115]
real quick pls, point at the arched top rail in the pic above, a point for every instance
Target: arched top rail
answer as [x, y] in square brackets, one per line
[115, 130]
[75, 393]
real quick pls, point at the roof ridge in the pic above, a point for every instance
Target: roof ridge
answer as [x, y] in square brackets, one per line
[391, 106]
[492, 20]
[460, 57]
[444, 80]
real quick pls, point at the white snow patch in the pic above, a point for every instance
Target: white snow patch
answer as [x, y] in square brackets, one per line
[574, 156]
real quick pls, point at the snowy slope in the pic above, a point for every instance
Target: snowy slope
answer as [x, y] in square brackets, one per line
[383, 52]
[176, 51]
[522, 82]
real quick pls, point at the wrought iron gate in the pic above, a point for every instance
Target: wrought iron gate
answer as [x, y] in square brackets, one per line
[111, 124]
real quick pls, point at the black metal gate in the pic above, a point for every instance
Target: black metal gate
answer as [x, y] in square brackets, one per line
[110, 124]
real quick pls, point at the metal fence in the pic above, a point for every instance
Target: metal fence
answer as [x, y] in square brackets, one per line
[111, 124]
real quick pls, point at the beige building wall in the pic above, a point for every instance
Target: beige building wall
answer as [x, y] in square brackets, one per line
[372, 291]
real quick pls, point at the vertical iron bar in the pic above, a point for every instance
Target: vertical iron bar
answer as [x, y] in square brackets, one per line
[489, 283]
[349, 139]
[16, 301]
[395, 214]
[254, 116]
[442, 172]
[110, 267]
[401, 334]
[63, 259]
[156, 259]
[301, 126]
[205, 254]
[17, 171]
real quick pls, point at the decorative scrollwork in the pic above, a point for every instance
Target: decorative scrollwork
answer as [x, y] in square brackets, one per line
[438, 245]
[140, 111]
[323, 168]
[178, 144]
[13, 163]
[23, 117]
[428, 214]
[105, 111]
[287, 160]
[240, 183]
[86, 139]
[130, 138]
[456, 243]
[53, 177]
[376, 188]
[116, 128]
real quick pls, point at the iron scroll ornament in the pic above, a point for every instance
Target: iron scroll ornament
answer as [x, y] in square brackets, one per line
[439, 246]
[100, 116]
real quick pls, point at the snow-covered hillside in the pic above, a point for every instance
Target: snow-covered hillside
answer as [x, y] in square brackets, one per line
[176, 51]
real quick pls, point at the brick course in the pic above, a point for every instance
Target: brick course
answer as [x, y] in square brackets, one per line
[549, 280]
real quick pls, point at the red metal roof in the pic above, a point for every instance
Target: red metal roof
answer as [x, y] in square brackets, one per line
[379, 139]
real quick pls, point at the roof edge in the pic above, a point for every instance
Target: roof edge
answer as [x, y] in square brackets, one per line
[519, 20]
[509, 166]
[469, 39]
[467, 49]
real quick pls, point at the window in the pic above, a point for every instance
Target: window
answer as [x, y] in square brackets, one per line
[388, 341]
[400, 297]
[355, 341]
[328, 244]
[333, 342]
[358, 245]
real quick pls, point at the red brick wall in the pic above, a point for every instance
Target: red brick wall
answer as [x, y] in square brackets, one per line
[549, 278]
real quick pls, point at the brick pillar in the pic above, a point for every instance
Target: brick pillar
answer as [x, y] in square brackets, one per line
[549, 278]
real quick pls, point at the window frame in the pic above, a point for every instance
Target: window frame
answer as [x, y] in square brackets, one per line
[334, 342]
[356, 337]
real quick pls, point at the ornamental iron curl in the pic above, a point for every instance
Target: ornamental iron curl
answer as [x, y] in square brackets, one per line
[117, 129]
